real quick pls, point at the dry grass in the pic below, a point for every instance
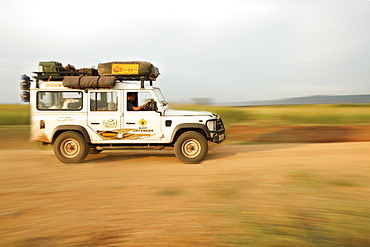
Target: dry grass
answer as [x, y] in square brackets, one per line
[266, 195]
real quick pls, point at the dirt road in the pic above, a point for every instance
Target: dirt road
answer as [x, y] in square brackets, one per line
[239, 196]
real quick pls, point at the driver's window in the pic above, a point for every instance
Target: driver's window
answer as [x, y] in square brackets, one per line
[143, 97]
[140, 100]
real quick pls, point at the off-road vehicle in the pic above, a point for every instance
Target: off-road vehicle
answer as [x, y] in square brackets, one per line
[86, 111]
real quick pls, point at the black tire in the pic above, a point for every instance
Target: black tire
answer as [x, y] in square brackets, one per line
[71, 147]
[191, 147]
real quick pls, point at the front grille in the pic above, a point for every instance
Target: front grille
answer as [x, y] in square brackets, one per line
[219, 124]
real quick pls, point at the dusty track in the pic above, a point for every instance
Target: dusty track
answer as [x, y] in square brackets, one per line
[148, 198]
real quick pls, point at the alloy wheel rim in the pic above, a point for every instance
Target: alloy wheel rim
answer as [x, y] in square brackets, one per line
[191, 148]
[70, 148]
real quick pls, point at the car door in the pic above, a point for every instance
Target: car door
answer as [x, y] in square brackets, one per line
[143, 125]
[105, 115]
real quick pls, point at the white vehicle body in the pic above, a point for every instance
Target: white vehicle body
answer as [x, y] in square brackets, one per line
[100, 117]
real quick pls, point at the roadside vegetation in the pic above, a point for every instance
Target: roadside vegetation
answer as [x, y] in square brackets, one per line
[348, 114]
[15, 120]
[340, 114]
[14, 114]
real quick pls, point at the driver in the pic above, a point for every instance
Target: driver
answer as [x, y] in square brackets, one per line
[131, 103]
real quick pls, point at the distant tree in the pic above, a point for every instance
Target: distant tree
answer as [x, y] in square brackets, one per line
[202, 101]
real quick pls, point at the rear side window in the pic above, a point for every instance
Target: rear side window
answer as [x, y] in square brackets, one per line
[103, 101]
[60, 101]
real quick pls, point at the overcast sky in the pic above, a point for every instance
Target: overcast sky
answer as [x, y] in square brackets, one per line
[230, 51]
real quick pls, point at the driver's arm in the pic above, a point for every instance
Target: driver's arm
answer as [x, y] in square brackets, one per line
[138, 108]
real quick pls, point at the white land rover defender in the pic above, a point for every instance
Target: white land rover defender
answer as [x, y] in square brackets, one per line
[86, 111]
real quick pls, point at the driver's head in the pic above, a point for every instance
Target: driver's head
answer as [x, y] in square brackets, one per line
[131, 96]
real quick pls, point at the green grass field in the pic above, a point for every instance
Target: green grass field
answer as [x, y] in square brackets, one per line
[14, 114]
[256, 115]
[353, 114]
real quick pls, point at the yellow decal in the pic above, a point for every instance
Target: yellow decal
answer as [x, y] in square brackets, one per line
[142, 122]
[125, 69]
[126, 134]
[108, 134]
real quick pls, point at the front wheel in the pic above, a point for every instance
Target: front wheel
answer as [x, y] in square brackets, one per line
[71, 147]
[191, 147]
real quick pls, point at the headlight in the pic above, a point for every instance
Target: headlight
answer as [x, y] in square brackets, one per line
[211, 125]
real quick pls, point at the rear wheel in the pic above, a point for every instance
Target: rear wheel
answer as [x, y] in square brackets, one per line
[71, 147]
[191, 147]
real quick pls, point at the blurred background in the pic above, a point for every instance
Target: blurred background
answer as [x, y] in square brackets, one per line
[290, 74]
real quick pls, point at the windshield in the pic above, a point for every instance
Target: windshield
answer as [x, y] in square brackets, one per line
[160, 97]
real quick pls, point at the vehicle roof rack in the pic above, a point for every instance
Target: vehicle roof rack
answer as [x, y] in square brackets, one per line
[59, 76]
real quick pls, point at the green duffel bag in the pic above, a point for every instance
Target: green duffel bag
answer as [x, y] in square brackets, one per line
[133, 68]
[50, 67]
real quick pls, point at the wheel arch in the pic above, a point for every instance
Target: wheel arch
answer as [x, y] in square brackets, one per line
[182, 128]
[62, 128]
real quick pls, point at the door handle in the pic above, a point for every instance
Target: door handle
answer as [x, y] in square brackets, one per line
[95, 123]
[130, 123]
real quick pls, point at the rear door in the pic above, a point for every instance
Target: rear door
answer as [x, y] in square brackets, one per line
[105, 115]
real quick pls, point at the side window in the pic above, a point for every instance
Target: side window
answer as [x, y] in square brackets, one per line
[71, 101]
[137, 99]
[143, 97]
[103, 101]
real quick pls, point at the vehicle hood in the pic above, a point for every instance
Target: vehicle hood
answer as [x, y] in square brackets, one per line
[171, 112]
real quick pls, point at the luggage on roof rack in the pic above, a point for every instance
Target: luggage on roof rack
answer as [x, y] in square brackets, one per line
[109, 74]
[134, 69]
[88, 71]
[54, 71]
[89, 81]
[51, 67]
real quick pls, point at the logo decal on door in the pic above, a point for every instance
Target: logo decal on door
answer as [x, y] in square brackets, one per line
[110, 123]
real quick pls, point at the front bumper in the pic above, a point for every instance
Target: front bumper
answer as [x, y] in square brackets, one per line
[219, 137]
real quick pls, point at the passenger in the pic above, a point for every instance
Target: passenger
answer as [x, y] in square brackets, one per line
[70, 101]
